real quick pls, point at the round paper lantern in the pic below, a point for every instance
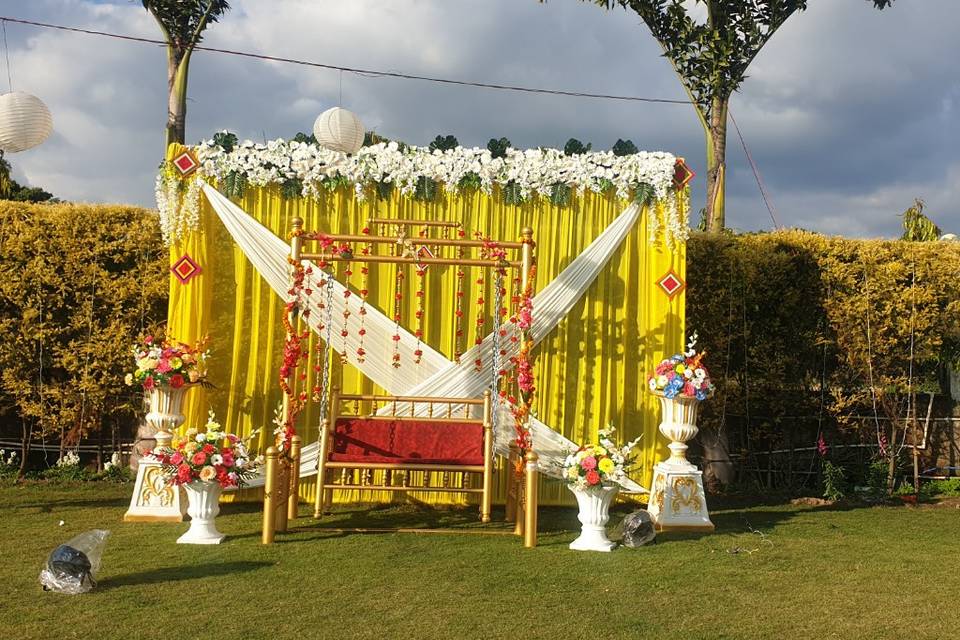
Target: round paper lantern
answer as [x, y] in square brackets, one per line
[25, 122]
[340, 130]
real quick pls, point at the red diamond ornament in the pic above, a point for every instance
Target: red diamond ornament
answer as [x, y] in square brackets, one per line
[423, 251]
[671, 284]
[682, 174]
[185, 269]
[186, 163]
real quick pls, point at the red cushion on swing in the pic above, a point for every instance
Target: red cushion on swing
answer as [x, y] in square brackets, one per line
[407, 441]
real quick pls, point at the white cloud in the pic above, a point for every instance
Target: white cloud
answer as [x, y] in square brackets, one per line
[848, 111]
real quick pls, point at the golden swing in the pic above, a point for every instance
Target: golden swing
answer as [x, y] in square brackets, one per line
[407, 443]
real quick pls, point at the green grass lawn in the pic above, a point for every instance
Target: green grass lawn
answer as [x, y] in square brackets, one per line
[775, 571]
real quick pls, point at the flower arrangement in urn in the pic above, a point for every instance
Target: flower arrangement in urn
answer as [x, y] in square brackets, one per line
[682, 375]
[592, 474]
[210, 455]
[162, 362]
[598, 464]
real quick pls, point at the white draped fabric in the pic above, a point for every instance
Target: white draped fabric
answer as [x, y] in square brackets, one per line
[435, 375]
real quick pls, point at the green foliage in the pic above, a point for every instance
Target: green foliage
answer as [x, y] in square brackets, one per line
[643, 194]
[575, 148]
[917, 227]
[946, 488]
[183, 21]
[784, 319]
[291, 188]
[426, 189]
[834, 481]
[227, 140]
[470, 180]
[560, 195]
[876, 477]
[79, 283]
[512, 194]
[10, 189]
[384, 190]
[369, 139]
[67, 473]
[309, 138]
[498, 148]
[117, 473]
[624, 148]
[444, 143]
[234, 184]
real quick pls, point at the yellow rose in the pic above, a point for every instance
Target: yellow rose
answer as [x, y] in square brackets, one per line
[679, 369]
[599, 451]
[607, 465]
[208, 473]
[573, 472]
[191, 447]
[175, 363]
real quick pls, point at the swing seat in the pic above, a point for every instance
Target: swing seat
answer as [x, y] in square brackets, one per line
[407, 441]
[447, 451]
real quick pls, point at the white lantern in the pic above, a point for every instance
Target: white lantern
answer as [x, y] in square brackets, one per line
[25, 122]
[340, 130]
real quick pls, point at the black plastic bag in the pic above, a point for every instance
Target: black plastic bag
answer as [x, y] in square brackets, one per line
[72, 567]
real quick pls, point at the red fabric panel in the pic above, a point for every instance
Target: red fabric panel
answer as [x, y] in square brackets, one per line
[407, 441]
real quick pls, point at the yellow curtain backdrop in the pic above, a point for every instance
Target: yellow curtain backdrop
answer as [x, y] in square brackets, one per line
[590, 371]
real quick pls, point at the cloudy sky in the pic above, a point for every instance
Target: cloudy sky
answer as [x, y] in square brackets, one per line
[850, 113]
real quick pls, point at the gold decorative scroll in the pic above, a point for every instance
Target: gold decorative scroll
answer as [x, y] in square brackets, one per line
[684, 493]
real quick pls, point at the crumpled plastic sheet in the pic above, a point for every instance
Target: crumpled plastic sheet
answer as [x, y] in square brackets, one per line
[73, 566]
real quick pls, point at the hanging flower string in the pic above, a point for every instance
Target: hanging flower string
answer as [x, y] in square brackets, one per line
[458, 305]
[421, 294]
[293, 353]
[364, 291]
[344, 330]
[397, 316]
[523, 365]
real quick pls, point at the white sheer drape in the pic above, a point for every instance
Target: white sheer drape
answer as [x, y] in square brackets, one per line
[435, 375]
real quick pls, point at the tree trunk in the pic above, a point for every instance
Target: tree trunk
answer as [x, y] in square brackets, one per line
[178, 64]
[716, 134]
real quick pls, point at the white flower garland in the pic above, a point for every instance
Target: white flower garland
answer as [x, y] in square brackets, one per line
[179, 212]
[533, 172]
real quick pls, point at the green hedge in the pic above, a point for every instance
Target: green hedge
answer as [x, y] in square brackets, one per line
[785, 318]
[77, 285]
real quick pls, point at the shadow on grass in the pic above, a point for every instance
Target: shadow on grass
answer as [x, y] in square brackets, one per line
[49, 506]
[181, 573]
[371, 520]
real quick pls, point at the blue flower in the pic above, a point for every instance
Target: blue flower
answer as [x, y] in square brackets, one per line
[701, 394]
[669, 392]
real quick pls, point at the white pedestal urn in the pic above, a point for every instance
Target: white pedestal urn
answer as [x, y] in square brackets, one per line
[153, 499]
[594, 503]
[677, 500]
[204, 506]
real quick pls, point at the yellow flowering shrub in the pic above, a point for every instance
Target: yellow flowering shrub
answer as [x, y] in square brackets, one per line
[78, 283]
[797, 325]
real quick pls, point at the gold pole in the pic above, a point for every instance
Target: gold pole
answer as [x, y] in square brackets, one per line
[530, 502]
[270, 485]
[527, 482]
[511, 505]
[280, 495]
[294, 498]
[486, 501]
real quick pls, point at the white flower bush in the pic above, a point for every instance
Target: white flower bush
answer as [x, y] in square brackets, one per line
[532, 172]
